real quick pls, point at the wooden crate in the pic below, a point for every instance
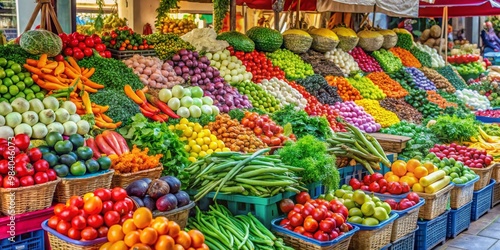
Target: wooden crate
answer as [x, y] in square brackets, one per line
[125, 54]
[391, 143]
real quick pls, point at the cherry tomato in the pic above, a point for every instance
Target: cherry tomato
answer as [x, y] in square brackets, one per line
[89, 233]
[63, 227]
[95, 220]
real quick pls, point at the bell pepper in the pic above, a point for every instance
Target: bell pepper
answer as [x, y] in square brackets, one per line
[112, 141]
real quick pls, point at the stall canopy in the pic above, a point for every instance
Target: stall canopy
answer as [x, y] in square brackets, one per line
[305, 5]
[460, 8]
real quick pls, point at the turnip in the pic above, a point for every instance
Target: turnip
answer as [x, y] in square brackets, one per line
[75, 117]
[23, 128]
[51, 102]
[47, 116]
[174, 103]
[70, 128]
[6, 132]
[62, 115]
[178, 91]
[197, 102]
[39, 131]
[69, 106]
[206, 109]
[55, 126]
[13, 119]
[30, 117]
[164, 95]
[2, 120]
[36, 105]
[20, 105]
[207, 100]
[195, 111]
[215, 110]
[5, 108]
[83, 127]
[183, 112]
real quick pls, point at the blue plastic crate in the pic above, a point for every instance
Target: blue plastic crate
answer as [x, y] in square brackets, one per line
[34, 240]
[431, 233]
[283, 231]
[407, 242]
[386, 247]
[481, 201]
[458, 220]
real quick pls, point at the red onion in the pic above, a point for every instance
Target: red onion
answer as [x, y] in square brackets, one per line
[176, 58]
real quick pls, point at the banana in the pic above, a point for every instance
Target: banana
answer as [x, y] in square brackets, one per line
[485, 136]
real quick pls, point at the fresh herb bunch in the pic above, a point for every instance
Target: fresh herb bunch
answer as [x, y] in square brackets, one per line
[302, 124]
[112, 73]
[422, 139]
[317, 86]
[167, 45]
[14, 52]
[160, 140]
[455, 129]
[121, 108]
[163, 9]
[221, 7]
[237, 114]
[311, 154]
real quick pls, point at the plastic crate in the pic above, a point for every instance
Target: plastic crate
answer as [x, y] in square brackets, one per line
[481, 201]
[495, 197]
[431, 233]
[461, 194]
[458, 220]
[292, 238]
[407, 242]
[34, 240]
[26, 222]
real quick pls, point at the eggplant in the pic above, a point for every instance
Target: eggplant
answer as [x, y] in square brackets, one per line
[149, 202]
[137, 188]
[166, 203]
[182, 198]
[173, 183]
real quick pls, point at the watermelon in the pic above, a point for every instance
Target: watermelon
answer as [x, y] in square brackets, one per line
[38, 42]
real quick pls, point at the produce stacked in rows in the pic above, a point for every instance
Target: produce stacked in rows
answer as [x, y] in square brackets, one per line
[436, 98]
[376, 183]
[420, 80]
[230, 67]
[356, 116]
[167, 45]
[188, 102]
[347, 38]
[366, 87]
[382, 116]
[420, 177]
[344, 89]
[297, 41]
[343, 60]
[205, 39]
[136, 160]
[420, 101]
[476, 159]
[366, 63]
[291, 63]
[317, 86]
[403, 110]
[154, 72]
[390, 87]
[422, 138]
[267, 130]
[176, 26]
[80, 46]
[473, 99]
[257, 96]
[406, 57]
[436, 60]
[405, 38]
[440, 81]
[283, 93]
[459, 173]
[16, 82]
[423, 57]
[321, 65]
[388, 61]
[124, 38]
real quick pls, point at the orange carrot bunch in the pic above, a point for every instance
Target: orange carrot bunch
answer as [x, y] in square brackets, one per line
[390, 87]
[407, 58]
[436, 98]
[345, 90]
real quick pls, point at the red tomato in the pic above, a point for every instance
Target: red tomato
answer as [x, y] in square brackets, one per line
[303, 197]
[4, 166]
[74, 234]
[93, 205]
[79, 222]
[76, 201]
[118, 194]
[78, 55]
[321, 236]
[318, 214]
[121, 207]
[59, 58]
[286, 205]
[103, 193]
[102, 232]
[68, 51]
[296, 220]
[34, 154]
[21, 141]
[53, 221]
[130, 204]
[339, 218]
[22, 158]
[89, 233]
[111, 218]
[107, 206]
[41, 166]
[51, 173]
[299, 229]
[27, 181]
[95, 220]
[327, 226]
[310, 225]
[63, 227]
[41, 177]
[89, 42]
[10, 182]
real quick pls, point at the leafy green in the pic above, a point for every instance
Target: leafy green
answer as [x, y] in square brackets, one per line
[422, 139]
[455, 129]
[160, 140]
[121, 108]
[311, 154]
[14, 52]
[111, 73]
[203, 120]
[237, 114]
[302, 124]
[491, 129]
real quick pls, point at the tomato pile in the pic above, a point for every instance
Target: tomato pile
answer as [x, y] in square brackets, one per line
[124, 38]
[493, 113]
[142, 231]
[377, 184]
[471, 157]
[258, 64]
[267, 130]
[79, 46]
[27, 164]
[463, 59]
[317, 219]
[315, 108]
[411, 200]
[91, 216]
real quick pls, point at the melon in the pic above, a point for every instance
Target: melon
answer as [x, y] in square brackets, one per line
[347, 38]
[297, 41]
[390, 38]
[324, 40]
[370, 40]
[37, 42]
[265, 39]
[435, 31]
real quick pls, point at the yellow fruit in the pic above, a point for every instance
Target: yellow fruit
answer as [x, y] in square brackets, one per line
[213, 145]
[218, 150]
[197, 127]
[410, 174]
[202, 154]
[399, 168]
[394, 178]
[187, 148]
[213, 138]
[226, 150]
[417, 188]
[188, 132]
[429, 166]
[171, 127]
[405, 179]
[193, 154]
[204, 147]
[201, 135]
[386, 175]
[191, 124]
[210, 151]
[220, 144]
[412, 164]
[192, 159]
[181, 127]
[206, 140]
[412, 180]
[184, 121]
[420, 172]
[192, 143]
[196, 148]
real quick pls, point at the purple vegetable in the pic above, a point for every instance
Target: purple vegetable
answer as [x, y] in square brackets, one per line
[356, 116]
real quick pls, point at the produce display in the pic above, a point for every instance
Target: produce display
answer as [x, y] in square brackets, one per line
[356, 116]
[187, 102]
[420, 101]
[181, 26]
[265, 39]
[135, 160]
[205, 40]
[370, 40]
[471, 157]
[16, 82]
[424, 177]
[382, 116]
[422, 139]
[80, 46]
[436, 60]
[267, 130]
[420, 80]
[257, 96]
[124, 38]
[493, 113]
[406, 57]
[302, 124]
[366, 87]
[291, 63]
[440, 81]
[323, 39]
[376, 183]
[390, 38]
[490, 90]
[388, 61]
[436, 98]
[297, 41]
[347, 38]
[458, 172]
[154, 72]
[423, 57]
[343, 60]
[259, 65]
[405, 38]
[403, 110]
[317, 86]
[230, 67]
[238, 41]
[432, 37]
[39, 41]
[321, 64]
[365, 62]
[411, 200]
[473, 99]
[344, 89]
[390, 87]
[167, 45]
[474, 68]
[283, 93]
[463, 59]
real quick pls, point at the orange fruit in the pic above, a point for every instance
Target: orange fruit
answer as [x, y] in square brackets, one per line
[420, 172]
[386, 175]
[429, 166]
[412, 180]
[412, 164]
[417, 188]
[394, 178]
[410, 174]
[405, 179]
[399, 168]
[142, 217]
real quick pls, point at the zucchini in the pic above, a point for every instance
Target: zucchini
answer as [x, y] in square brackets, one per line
[431, 178]
[438, 185]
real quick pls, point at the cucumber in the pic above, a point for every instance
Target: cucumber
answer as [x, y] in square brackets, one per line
[438, 185]
[433, 177]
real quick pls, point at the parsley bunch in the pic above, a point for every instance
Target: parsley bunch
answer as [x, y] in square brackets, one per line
[454, 129]
[302, 123]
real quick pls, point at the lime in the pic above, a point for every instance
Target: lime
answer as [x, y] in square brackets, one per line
[10, 63]
[27, 90]
[7, 96]
[21, 76]
[2, 74]
[28, 80]
[3, 62]
[35, 88]
[9, 72]
[30, 96]
[4, 89]
[27, 74]
[7, 82]
[39, 95]
[20, 94]
[13, 90]
[21, 85]
[3, 99]
[16, 67]
[15, 78]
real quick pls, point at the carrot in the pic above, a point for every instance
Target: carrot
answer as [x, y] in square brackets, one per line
[51, 65]
[32, 62]
[141, 95]
[50, 78]
[70, 73]
[86, 102]
[43, 61]
[59, 69]
[132, 95]
[407, 58]
[85, 71]
[80, 111]
[89, 73]
[103, 124]
[35, 77]
[91, 84]
[73, 63]
[96, 110]
[80, 86]
[106, 118]
[389, 86]
[32, 69]
[46, 71]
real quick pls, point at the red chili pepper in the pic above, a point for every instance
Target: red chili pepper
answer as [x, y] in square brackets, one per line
[146, 113]
[163, 116]
[148, 108]
[121, 141]
[90, 142]
[162, 106]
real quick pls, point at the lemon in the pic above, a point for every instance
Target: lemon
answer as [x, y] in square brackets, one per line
[206, 140]
[193, 154]
[199, 141]
[191, 124]
[197, 127]
[183, 139]
[207, 131]
[192, 143]
[182, 127]
[201, 135]
[194, 135]
[213, 145]
[210, 151]
[187, 148]
[213, 138]
[195, 149]
[192, 159]
[204, 148]
[218, 150]
[202, 154]
[226, 150]
[188, 132]
[184, 121]
[220, 144]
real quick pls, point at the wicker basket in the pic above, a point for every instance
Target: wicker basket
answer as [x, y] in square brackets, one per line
[484, 176]
[462, 194]
[179, 215]
[123, 180]
[28, 199]
[406, 222]
[373, 239]
[61, 242]
[495, 173]
[80, 186]
[435, 204]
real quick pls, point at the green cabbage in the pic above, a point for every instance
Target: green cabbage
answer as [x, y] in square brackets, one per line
[38, 42]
